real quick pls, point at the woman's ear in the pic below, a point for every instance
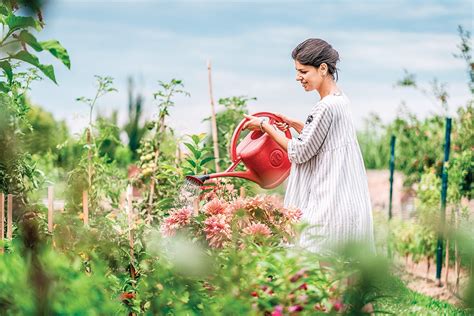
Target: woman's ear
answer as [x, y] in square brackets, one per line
[323, 69]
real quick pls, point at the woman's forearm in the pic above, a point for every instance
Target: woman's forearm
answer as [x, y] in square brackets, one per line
[297, 125]
[275, 135]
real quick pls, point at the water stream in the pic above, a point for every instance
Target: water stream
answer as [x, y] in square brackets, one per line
[187, 194]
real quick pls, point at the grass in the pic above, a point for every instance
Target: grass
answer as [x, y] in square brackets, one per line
[408, 302]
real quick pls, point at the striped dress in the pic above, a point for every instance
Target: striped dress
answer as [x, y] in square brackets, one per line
[328, 180]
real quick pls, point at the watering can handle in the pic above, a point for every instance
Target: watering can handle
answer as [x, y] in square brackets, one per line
[233, 144]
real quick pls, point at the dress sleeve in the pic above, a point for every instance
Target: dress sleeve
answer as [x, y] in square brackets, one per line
[307, 144]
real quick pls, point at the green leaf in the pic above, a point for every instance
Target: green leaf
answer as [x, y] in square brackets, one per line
[196, 139]
[29, 39]
[48, 70]
[7, 68]
[58, 51]
[205, 160]
[191, 147]
[4, 87]
[3, 10]
[191, 162]
[20, 22]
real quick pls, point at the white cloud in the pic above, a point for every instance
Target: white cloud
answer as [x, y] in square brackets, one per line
[254, 61]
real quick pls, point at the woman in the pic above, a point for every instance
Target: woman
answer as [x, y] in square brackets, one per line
[327, 179]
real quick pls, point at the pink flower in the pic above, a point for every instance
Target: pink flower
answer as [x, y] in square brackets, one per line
[217, 230]
[215, 207]
[298, 275]
[257, 230]
[295, 308]
[337, 305]
[176, 220]
[278, 311]
[292, 214]
[237, 204]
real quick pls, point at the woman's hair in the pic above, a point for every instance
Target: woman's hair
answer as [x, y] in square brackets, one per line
[314, 52]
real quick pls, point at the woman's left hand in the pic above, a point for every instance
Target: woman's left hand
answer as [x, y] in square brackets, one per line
[253, 122]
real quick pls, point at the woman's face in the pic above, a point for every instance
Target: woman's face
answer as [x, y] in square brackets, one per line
[309, 76]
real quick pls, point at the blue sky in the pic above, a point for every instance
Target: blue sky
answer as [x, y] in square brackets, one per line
[250, 44]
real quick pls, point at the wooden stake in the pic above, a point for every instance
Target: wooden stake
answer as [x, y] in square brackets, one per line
[2, 220]
[50, 208]
[242, 192]
[9, 216]
[130, 228]
[85, 208]
[457, 262]
[213, 119]
[196, 206]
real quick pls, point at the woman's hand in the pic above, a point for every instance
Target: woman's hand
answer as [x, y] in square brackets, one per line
[285, 122]
[288, 123]
[253, 122]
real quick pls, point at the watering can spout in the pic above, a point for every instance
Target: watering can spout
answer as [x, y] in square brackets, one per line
[198, 180]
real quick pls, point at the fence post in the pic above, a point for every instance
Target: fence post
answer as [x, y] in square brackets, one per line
[9, 216]
[213, 120]
[444, 189]
[392, 168]
[85, 207]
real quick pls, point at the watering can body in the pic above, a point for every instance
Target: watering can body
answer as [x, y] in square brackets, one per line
[266, 161]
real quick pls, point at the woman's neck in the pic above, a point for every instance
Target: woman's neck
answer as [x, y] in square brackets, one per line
[328, 87]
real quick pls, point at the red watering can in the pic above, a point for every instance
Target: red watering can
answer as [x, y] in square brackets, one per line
[267, 163]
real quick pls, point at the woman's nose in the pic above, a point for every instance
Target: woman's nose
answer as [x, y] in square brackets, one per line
[298, 78]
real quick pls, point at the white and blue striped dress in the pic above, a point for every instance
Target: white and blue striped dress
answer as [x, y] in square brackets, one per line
[328, 181]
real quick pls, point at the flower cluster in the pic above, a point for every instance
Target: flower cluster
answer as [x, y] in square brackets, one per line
[261, 219]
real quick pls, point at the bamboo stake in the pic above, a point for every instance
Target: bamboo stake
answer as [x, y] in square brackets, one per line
[213, 119]
[50, 208]
[196, 206]
[2, 220]
[85, 207]
[242, 192]
[457, 263]
[130, 228]
[9, 216]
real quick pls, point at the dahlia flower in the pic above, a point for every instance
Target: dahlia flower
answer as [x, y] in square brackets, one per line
[176, 220]
[292, 214]
[215, 207]
[217, 230]
[257, 230]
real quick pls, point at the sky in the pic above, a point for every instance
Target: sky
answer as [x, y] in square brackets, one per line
[249, 44]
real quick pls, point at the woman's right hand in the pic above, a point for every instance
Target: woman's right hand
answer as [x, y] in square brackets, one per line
[285, 122]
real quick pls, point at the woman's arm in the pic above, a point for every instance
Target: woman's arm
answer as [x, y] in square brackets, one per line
[307, 144]
[297, 125]
[289, 123]
[254, 124]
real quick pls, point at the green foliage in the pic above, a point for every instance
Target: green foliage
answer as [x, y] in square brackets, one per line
[94, 170]
[200, 155]
[161, 174]
[374, 143]
[44, 133]
[16, 39]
